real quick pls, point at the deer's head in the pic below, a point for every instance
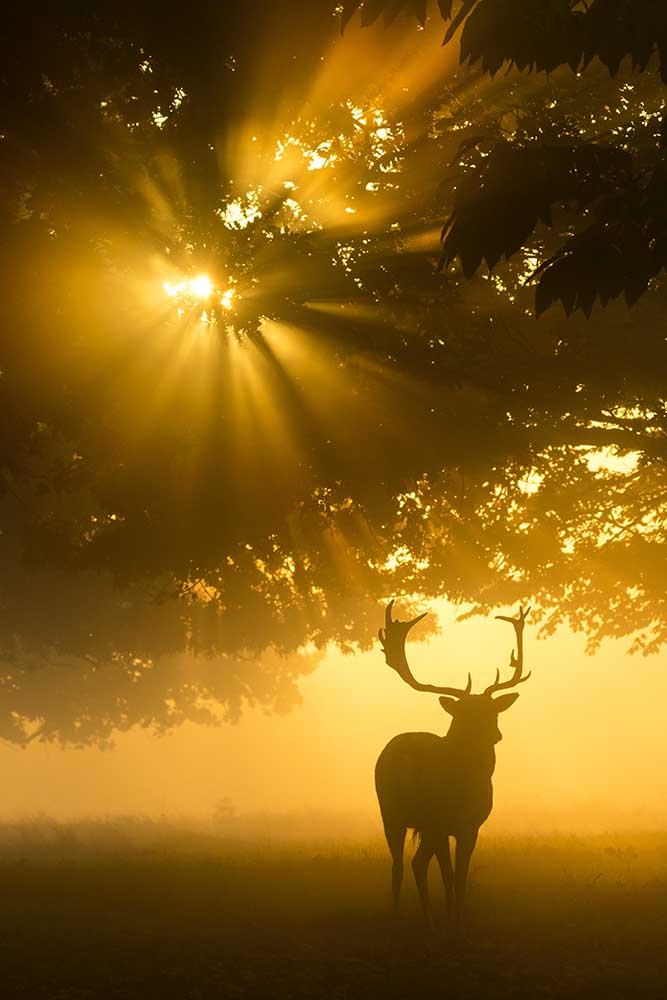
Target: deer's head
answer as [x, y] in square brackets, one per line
[474, 715]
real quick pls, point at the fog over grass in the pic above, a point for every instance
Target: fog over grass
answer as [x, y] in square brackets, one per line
[128, 908]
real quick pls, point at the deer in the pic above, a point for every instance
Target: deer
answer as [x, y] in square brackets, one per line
[440, 786]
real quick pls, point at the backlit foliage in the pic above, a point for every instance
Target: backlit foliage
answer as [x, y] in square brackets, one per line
[242, 402]
[599, 188]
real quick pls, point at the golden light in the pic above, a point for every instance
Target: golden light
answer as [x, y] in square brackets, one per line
[175, 290]
[198, 288]
[334, 166]
[188, 293]
[201, 287]
[336, 163]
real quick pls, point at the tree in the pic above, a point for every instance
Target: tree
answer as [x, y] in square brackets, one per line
[201, 491]
[600, 189]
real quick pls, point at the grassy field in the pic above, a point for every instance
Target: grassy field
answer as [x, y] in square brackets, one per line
[107, 911]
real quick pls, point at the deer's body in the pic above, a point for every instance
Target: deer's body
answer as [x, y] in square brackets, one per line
[440, 786]
[429, 784]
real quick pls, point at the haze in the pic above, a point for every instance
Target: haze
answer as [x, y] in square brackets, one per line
[583, 749]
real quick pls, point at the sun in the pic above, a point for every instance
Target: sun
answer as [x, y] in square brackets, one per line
[192, 293]
[201, 287]
[197, 289]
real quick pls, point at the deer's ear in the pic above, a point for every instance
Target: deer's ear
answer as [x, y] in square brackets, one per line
[504, 701]
[449, 704]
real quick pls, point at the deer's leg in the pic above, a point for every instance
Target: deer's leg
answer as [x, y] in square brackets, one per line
[444, 857]
[420, 864]
[465, 845]
[396, 839]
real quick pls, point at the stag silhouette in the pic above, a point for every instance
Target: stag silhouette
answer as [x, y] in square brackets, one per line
[440, 786]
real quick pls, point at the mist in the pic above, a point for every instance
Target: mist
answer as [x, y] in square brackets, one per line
[583, 750]
[333, 441]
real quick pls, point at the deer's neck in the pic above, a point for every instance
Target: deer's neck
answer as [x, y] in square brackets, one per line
[476, 759]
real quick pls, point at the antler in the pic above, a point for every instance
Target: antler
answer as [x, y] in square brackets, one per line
[516, 662]
[392, 637]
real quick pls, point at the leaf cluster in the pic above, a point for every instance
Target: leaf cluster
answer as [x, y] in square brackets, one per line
[618, 247]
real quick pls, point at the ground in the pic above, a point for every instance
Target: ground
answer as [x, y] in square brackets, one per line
[200, 917]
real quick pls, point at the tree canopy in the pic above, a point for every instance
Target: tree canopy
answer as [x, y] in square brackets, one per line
[247, 394]
[611, 174]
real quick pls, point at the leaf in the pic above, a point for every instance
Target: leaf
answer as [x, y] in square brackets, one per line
[350, 7]
[445, 7]
[465, 9]
[371, 10]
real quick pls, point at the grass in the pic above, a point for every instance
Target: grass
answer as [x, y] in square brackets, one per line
[137, 910]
